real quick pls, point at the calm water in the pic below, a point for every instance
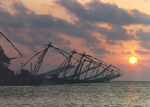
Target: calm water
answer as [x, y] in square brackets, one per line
[115, 94]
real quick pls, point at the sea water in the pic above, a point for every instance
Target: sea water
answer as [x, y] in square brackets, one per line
[113, 94]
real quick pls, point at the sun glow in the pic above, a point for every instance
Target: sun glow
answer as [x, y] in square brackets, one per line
[133, 60]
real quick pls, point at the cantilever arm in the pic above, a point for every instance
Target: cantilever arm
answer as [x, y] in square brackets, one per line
[11, 44]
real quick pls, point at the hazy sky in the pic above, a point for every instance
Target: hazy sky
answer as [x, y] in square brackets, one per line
[113, 30]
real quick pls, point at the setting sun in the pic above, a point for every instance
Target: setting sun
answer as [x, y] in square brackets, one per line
[133, 60]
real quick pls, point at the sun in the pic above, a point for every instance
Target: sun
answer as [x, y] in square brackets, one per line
[133, 60]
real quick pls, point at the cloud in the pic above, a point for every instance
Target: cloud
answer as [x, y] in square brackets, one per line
[117, 33]
[126, 52]
[28, 28]
[142, 52]
[20, 8]
[41, 28]
[100, 51]
[97, 11]
[144, 38]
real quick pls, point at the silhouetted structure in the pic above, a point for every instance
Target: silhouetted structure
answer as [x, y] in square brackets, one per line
[6, 75]
[76, 68]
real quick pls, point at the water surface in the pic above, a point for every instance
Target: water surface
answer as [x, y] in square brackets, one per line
[114, 94]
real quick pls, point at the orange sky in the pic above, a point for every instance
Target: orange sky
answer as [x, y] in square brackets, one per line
[120, 52]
